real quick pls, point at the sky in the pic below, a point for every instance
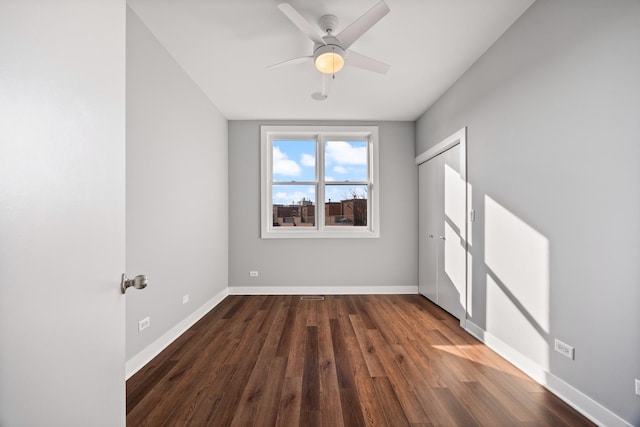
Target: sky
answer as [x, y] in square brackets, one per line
[295, 161]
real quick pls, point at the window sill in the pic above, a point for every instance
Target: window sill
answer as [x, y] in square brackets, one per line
[321, 234]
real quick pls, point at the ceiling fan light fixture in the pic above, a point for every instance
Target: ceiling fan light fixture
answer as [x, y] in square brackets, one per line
[329, 59]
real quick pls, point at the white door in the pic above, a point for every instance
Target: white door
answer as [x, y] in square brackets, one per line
[442, 231]
[451, 233]
[427, 228]
[62, 193]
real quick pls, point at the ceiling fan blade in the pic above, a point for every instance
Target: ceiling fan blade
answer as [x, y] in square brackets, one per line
[303, 25]
[356, 59]
[361, 25]
[293, 61]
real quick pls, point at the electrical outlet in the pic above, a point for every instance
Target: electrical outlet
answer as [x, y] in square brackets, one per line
[253, 274]
[564, 349]
[144, 324]
[185, 298]
[638, 387]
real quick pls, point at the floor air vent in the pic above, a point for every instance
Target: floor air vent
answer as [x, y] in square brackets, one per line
[312, 298]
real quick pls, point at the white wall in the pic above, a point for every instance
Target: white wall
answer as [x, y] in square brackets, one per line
[177, 215]
[388, 262]
[553, 112]
[62, 213]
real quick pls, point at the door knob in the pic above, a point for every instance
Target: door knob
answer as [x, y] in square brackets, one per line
[443, 238]
[431, 235]
[138, 282]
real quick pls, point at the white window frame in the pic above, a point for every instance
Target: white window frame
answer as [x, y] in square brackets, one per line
[320, 134]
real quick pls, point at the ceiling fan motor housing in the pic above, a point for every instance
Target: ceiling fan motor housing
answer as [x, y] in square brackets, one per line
[333, 45]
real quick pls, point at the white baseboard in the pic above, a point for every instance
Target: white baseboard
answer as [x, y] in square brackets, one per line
[138, 361]
[572, 396]
[321, 290]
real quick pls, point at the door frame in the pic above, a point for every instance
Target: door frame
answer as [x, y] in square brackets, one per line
[459, 137]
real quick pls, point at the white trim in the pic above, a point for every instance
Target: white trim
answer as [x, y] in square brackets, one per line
[320, 133]
[459, 137]
[321, 290]
[536, 372]
[569, 394]
[138, 361]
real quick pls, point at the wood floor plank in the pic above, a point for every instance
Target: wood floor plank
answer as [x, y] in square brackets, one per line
[290, 402]
[365, 360]
[393, 411]
[402, 386]
[372, 406]
[236, 388]
[363, 312]
[374, 366]
[436, 412]
[483, 407]
[330, 407]
[267, 411]
[295, 367]
[312, 312]
[370, 401]
[457, 411]
[284, 345]
[256, 385]
[310, 412]
[350, 403]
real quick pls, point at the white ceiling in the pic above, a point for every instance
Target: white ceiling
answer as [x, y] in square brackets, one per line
[226, 45]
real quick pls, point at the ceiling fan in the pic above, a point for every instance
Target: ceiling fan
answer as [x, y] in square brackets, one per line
[331, 52]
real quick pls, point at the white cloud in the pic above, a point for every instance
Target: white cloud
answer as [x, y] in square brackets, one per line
[287, 197]
[329, 178]
[340, 169]
[283, 166]
[343, 153]
[308, 160]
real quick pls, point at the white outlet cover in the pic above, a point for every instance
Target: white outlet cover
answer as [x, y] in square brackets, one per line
[638, 387]
[144, 323]
[185, 299]
[564, 349]
[253, 274]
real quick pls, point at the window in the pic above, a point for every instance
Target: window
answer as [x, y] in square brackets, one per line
[319, 182]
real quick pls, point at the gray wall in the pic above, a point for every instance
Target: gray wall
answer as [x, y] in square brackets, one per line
[177, 213]
[553, 116]
[390, 260]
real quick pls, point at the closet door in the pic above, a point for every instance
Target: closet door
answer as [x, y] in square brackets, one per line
[427, 225]
[441, 266]
[451, 233]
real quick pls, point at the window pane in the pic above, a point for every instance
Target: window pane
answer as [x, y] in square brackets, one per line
[294, 161]
[346, 205]
[294, 205]
[345, 161]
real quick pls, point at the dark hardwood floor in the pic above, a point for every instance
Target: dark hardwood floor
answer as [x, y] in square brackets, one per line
[394, 360]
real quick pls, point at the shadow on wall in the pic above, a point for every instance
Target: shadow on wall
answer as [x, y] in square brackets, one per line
[512, 271]
[454, 232]
[516, 283]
